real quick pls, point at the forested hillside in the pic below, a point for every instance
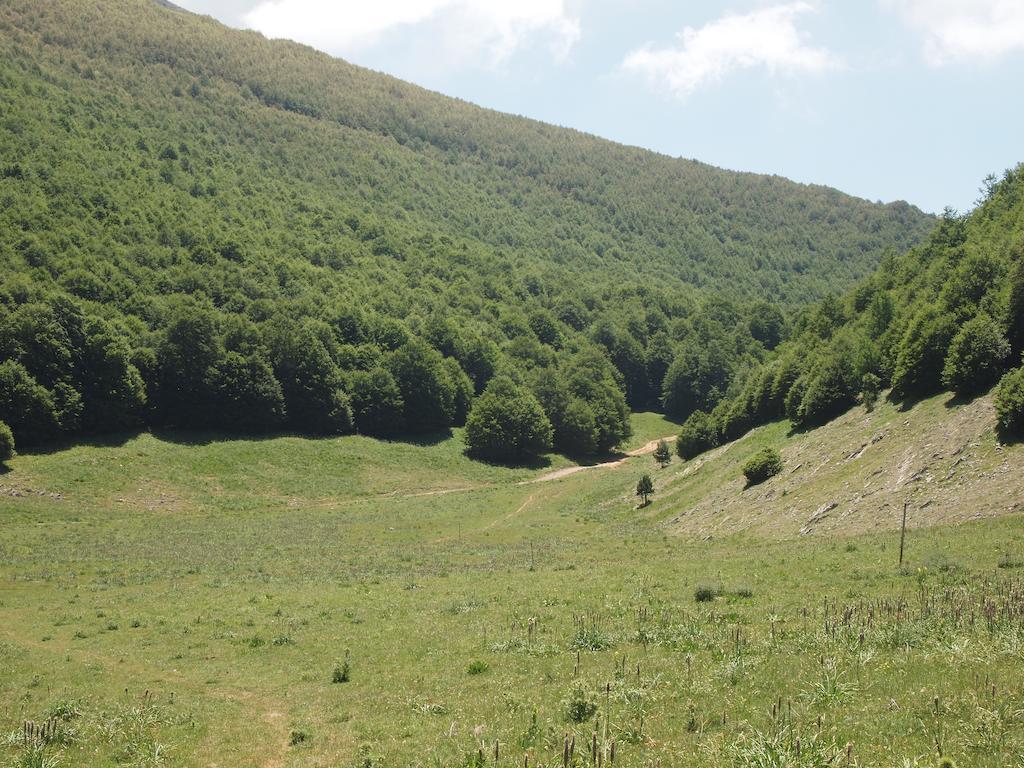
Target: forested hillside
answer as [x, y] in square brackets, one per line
[202, 228]
[947, 315]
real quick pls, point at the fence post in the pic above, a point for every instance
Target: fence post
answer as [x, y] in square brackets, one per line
[903, 531]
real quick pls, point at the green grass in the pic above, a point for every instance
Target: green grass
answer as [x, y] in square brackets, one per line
[649, 426]
[478, 615]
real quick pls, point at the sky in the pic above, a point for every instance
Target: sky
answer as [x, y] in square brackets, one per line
[915, 100]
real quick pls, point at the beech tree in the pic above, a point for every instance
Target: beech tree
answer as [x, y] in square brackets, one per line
[507, 423]
[6, 443]
[976, 356]
[1009, 402]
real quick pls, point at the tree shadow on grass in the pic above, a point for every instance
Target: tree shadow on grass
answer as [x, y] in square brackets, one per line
[543, 462]
[592, 460]
[204, 437]
[422, 440]
[906, 403]
[107, 440]
[524, 462]
[957, 400]
[201, 437]
[1009, 438]
[196, 438]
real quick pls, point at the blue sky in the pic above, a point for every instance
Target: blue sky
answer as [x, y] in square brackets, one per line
[886, 99]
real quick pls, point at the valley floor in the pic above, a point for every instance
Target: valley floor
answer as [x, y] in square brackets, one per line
[191, 603]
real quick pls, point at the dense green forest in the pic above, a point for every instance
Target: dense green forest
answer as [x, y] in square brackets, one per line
[200, 228]
[946, 315]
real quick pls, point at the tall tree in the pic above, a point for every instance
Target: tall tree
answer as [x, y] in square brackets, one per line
[662, 454]
[507, 423]
[645, 489]
[428, 391]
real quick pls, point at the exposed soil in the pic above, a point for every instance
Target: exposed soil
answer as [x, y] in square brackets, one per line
[854, 474]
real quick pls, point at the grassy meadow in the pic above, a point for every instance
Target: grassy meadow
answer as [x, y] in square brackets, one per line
[351, 602]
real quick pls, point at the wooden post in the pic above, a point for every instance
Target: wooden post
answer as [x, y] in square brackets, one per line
[903, 531]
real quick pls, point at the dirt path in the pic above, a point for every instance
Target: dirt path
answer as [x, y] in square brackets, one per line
[557, 474]
[645, 450]
[566, 471]
[510, 515]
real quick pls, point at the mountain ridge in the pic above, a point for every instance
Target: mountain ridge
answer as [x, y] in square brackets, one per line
[341, 93]
[165, 174]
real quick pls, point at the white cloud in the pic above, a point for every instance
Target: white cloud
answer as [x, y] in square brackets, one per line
[465, 30]
[964, 29]
[766, 38]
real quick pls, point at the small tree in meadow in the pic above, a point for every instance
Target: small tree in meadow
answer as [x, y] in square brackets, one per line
[342, 671]
[644, 489]
[662, 454]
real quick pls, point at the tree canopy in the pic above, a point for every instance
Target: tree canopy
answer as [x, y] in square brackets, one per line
[204, 229]
[507, 423]
[945, 314]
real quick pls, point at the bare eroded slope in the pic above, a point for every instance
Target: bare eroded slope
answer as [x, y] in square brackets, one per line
[853, 475]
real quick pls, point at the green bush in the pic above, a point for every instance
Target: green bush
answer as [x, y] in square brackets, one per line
[1009, 401]
[705, 593]
[764, 464]
[342, 671]
[462, 391]
[579, 706]
[507, 423]
[593, 379]
[973, 277]
[584, 404]
[6, 443]
[870, 388]
[1015, 308]
[976, 356]
[733, 418]
[697, 435]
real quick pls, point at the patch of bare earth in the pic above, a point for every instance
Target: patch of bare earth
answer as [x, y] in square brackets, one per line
[557, 474]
